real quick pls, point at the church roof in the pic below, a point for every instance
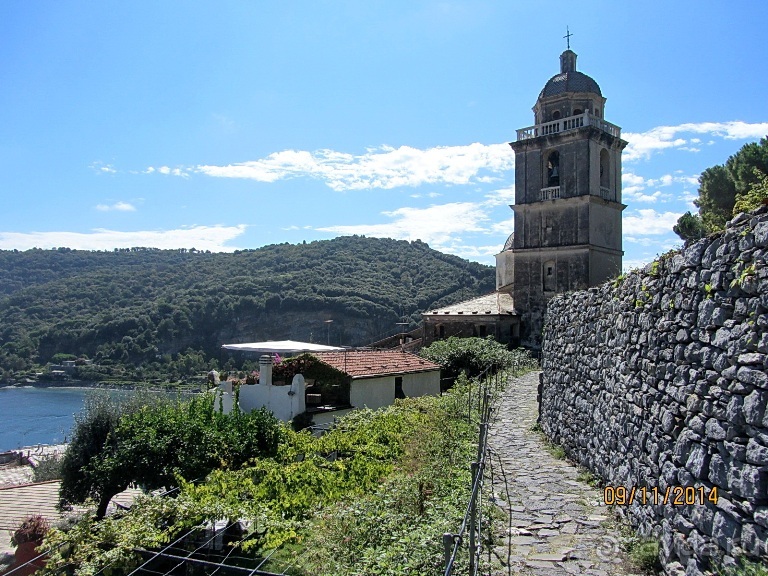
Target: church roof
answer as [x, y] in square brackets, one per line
[493, 304]
[570, 82]
[569, 79]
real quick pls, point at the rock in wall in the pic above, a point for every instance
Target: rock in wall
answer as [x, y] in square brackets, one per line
[658, 382]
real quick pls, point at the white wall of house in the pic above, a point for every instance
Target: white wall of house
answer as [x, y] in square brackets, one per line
[422, 384]
[285, 402]
[380, 391]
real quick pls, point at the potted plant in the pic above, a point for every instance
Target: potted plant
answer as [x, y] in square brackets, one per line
[27, 538]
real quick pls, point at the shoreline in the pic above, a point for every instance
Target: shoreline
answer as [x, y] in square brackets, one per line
[100, 385]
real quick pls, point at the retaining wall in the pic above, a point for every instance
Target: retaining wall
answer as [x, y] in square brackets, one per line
[658, 381]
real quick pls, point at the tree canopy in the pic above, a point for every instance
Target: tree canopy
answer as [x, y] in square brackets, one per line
[155, 443]
[739, 185]
[143, 311]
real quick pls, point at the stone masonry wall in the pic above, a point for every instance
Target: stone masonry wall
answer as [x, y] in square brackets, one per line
[658, 380]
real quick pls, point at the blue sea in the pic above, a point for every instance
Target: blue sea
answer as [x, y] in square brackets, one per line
[31, 416]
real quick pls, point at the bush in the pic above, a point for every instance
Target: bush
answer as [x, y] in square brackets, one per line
[474, 355]
[48, 468]
[154, 443]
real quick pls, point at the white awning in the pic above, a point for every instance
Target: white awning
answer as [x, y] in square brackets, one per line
[281, 346]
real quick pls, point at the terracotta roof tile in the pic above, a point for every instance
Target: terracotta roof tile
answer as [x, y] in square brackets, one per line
[369, 363]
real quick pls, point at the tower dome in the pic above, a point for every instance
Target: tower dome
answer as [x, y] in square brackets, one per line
[569, 79]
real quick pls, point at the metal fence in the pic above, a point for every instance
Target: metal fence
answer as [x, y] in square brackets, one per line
[481, 406]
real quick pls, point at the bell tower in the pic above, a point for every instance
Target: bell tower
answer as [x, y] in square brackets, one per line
[567, 233]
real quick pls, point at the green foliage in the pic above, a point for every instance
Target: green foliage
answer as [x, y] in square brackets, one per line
[724, 190]
[747, 272]
[93, 435]
[587, 477]
[717, 194]
[644, 553]
[618, 280]
[371, 496]
[690, 227]
[473, 355]
[748, 166]
[743, 567]
[47, 468]
[155, 444]
[755, 196]
[145, 313]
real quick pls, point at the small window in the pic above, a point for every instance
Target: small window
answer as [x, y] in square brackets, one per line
[578, 111]
[597, 112]
[556, 115]
[549, 280]
[442, 331]
[483, 331]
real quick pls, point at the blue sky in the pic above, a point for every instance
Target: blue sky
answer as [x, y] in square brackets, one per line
[235, 124]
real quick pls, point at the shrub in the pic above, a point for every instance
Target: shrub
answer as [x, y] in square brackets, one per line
[48, 468]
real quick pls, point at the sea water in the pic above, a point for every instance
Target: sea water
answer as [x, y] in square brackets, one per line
[30, 416]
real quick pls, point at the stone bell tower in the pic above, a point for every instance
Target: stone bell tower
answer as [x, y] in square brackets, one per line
[568, 206]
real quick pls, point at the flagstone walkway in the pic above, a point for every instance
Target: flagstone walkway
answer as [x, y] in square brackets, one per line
[558, 524]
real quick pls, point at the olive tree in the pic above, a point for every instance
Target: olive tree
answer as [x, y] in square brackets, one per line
[154, 444]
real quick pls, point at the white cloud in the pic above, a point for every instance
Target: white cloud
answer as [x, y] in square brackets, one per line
[168, 171]
[638, 197]
[213, 238]
[504, 227]
[438, 225]
[501, 197]
[116, 207]
[644, 144]
[647, 221]
[633, 186]
[384, 167]
[101, 168]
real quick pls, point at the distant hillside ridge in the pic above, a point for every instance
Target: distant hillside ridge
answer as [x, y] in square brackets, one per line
[139, 307]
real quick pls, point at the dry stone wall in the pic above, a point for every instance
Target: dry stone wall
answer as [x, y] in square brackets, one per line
[659, 380]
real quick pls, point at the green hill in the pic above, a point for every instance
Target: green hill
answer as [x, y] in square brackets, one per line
[143, 309]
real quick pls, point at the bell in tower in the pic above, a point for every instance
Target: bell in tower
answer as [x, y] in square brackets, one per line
[567, 232]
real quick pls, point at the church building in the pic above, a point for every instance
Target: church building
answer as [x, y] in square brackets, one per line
[567, 231]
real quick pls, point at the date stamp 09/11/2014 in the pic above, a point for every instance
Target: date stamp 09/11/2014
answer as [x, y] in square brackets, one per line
[674, 495]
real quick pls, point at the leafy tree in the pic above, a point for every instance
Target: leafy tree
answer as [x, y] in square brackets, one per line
[755, 196]
[82, 475]
[142, 307]
[741, 166]
[717, 194]
[474, 355]
[725, 190]
[690, 227]
[154, 444]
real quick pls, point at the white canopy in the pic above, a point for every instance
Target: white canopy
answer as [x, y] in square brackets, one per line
[281, 346]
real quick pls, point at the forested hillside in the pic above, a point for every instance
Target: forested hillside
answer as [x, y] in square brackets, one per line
[145, 310]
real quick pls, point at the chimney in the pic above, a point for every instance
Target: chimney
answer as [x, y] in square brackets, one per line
[265, 370]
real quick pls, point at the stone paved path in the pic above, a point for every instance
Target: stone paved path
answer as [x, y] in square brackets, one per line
[559, 525]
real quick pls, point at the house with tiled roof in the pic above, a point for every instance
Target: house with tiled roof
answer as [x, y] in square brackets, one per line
[325, 385]
[378, 377]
